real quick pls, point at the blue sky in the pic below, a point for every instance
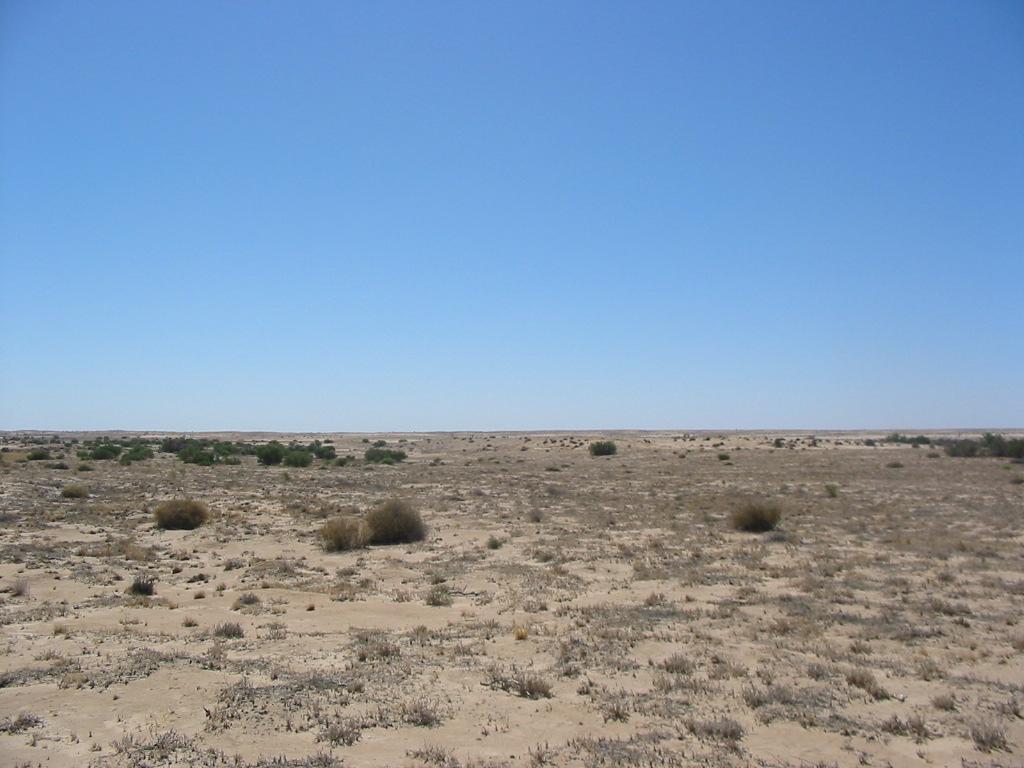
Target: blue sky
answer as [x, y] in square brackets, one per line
[464, 215]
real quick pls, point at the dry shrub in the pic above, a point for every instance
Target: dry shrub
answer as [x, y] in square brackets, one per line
[756, 516]
[181, 514]
[395, 522]
[143, 586]
[74, 492]
[229, 629]
[341, 534]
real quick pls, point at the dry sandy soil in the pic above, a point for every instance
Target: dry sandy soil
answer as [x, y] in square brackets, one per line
[616, 619]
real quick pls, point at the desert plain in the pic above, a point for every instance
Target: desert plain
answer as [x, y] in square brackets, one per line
[563, 609]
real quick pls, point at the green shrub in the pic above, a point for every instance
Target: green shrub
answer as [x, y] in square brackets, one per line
[756, 516]
[193, 452]
[181, 514]
[270, 453]
[378, 455]
[723, 457]
[988, 445]
[105, 452]
[603, 448]
[38, 454]
[394, 522]
[342, 534]
[325, 452]
[74, 492]
[896, 437]
[298, 458]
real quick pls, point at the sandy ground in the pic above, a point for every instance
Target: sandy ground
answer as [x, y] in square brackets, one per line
[616, 619]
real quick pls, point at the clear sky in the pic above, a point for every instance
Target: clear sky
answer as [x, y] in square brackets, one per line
[479, 215]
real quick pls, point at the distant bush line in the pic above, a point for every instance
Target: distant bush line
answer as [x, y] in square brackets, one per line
[988, 445]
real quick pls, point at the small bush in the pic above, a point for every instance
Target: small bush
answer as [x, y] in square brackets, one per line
[832, 490]
[144, 586]
[439, 596]
[270, 454]
[342, 534]
[105, 452]
[325, 452]
[988, 736]
[723, 457]
[603, 448]
[723, 729]
[298, 459]
[38, 454]
[246, 599]
[395, 522]
[865, 680]
[494, 542]
[378, 455]
[895, 465]
[74, 492]
[229, 629]
[181, 515]
[345, 731]
[137, 453]
[756, 516]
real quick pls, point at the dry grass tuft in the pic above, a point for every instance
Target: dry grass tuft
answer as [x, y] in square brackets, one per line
[75, 491]
[395, 521]
[181, 515]
[341, 534]
[756, 516]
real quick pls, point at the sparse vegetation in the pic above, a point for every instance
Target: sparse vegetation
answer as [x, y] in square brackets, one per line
[634, 602]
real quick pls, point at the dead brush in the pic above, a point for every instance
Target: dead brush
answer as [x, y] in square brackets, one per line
[342, 534]
[988, 736]
[75, 491]
[346, 731]
[723, 729]
[525, 684]
[865, 680]
[143, 586]
[181, 514]
[395, 521]
[756, 516]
